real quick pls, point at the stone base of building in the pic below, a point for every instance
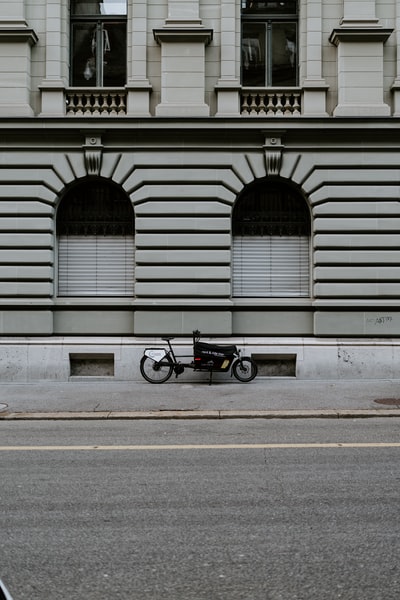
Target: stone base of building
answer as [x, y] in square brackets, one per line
[68, 358]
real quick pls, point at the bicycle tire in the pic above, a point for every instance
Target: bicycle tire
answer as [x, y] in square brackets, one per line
[244, 369]
[156, 372]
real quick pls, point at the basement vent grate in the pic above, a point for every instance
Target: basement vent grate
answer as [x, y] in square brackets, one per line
[276, 365]
[91, 365]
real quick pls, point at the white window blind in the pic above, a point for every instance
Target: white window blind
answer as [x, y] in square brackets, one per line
[95, 265]
[270, 266]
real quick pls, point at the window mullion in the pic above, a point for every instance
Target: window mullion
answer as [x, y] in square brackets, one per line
[99, 54]
[268, 46]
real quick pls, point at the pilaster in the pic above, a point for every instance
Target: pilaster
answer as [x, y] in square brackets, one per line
[12, 12]
[138, 86]
[228, 86]
[314, 86]
[359, 40]
[396, 83]
[16, 41]
[52, 87]
[183, 39]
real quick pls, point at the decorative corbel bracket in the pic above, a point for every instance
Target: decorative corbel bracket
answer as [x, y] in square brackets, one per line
[93, 149]
[273, 153]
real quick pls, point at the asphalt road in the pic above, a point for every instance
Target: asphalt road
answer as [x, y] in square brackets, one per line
[240, 509]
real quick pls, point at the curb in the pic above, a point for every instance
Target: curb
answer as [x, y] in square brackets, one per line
[200, 414]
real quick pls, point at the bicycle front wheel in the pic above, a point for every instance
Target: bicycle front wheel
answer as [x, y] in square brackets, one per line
[244, 369]
[156, 372]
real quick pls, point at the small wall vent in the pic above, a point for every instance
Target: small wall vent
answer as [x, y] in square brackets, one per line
[91, 365]
[276, 365]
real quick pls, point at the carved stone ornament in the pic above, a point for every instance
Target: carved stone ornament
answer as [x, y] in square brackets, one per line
[93, 150]
[273, 155]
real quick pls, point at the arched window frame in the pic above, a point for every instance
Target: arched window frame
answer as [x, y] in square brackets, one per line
[271, 229]
[95, 241]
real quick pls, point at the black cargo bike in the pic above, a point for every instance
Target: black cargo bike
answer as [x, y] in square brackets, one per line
[158, 364]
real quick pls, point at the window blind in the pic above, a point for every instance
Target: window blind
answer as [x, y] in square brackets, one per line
[270, 266]
[96, 265]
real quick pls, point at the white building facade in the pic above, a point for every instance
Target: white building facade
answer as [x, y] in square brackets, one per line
[229, 166]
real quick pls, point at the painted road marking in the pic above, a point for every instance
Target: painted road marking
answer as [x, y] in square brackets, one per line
[133, 448]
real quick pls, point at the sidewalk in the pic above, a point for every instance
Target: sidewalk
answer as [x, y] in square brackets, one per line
[262, 398]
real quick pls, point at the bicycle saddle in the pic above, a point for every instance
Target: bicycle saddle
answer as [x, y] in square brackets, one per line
[167, 338]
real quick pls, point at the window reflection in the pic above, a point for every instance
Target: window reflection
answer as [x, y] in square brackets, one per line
[253, 54]
[98, 7]
[99, 54]
[273, 7]
[269, 44]
[283, 56]
[98, 43]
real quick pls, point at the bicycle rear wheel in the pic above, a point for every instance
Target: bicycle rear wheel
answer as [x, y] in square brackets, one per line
[156, 372]
[244, 369]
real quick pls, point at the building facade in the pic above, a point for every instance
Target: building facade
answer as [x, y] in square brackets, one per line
[171, 165]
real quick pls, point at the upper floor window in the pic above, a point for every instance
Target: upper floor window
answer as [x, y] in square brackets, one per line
[269, 43]
[98, 43]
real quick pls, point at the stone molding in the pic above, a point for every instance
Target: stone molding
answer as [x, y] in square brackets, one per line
[359, 34]
[18, 34]
[176, 34]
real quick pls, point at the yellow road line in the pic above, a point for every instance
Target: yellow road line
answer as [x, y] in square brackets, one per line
[129, 448]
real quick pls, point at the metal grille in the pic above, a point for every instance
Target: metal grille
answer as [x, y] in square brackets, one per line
[95, 208]
[272, 209]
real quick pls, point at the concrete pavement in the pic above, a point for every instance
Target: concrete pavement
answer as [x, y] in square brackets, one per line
[179, 398]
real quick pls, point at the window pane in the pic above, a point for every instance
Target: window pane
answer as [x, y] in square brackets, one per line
[253, 54]
[99, 54]
[114, 48]
[84, 54]
[284, 54]
[98, 7]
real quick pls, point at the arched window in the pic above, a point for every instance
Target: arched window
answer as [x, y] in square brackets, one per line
[95, 233]
[271, 238]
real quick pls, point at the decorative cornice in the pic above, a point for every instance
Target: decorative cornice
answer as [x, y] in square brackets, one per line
[18, 34]
[359, 34]
[178, 34]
